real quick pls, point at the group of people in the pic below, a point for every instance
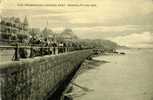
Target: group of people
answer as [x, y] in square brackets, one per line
[35, 46]
[40, 47]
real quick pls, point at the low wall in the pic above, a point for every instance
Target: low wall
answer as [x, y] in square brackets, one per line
[6, 55]
[34, 79]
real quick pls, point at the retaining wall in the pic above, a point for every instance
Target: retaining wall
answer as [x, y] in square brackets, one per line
[34, 79]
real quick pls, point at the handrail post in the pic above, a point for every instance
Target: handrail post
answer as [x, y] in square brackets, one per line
[57, 50]
[17, 52]
[41, 50]
[65, 49]
[31, 51]
[54, 50]
[48, 50]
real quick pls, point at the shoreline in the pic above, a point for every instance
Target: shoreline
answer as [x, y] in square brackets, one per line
[87, 65]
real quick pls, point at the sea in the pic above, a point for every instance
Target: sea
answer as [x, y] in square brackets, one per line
[124, 77]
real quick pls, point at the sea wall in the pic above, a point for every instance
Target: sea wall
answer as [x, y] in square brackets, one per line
[36, 78]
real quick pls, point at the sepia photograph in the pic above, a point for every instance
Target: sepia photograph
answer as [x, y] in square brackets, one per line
[76, 49]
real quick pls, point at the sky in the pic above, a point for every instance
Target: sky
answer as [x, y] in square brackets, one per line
[126, 22]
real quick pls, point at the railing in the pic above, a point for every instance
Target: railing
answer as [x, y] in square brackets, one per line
[37, 49]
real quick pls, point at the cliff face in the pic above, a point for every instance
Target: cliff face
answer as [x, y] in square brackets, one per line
[99, 43]
[107, 44]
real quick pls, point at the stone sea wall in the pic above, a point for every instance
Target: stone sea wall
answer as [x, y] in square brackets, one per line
[36, 78]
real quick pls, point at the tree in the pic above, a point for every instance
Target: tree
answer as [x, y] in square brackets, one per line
[6, 35]
[22, 36]
[46, 33]
[34, 32]
[68, 34]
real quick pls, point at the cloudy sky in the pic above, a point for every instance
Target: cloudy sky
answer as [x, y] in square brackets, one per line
[127, 22]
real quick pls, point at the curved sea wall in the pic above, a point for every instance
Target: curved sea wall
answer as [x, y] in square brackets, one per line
[36, 78]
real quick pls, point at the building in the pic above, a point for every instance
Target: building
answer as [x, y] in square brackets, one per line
[25, 24]
[13, 25]
[10, 26]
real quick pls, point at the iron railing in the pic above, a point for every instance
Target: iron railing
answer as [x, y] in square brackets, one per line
[37, 49]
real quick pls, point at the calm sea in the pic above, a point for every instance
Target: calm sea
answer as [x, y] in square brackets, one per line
[125, 77]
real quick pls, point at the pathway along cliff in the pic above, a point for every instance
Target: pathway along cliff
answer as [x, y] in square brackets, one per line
[123, 77]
